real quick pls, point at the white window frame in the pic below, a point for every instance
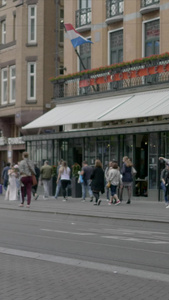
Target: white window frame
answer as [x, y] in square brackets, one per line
[3, 81]
[3, 32]
[119, 29]
[143, 35]
[12, 81]
[30, 18]
[31, 75]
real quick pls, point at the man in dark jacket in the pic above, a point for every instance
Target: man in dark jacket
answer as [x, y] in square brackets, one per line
[97, 184]
[5, 175]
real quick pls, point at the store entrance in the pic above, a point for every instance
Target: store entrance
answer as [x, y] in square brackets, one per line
[141, 165]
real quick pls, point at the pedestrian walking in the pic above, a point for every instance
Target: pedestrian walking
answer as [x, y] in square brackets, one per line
[46, 175]
[35, 187]
[127, 178]
[12, 189]
[58, 186]
[97, 184]
[64, 176]
[106, 174]
[86, 184]
[165, 180]
[114, 177]
[26, 168]
[5, 176]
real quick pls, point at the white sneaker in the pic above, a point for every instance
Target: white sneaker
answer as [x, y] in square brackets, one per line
[167, 206]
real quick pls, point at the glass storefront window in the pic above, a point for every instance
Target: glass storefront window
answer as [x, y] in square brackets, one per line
[44, 151]
[39, 153]
[50, 152]
[114, 147]
[128, 146]
[64, 150]
[153, 161]
[103, 151]
[55, 152]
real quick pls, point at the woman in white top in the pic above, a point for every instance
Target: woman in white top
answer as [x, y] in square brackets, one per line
[64, 175]
[12, 190]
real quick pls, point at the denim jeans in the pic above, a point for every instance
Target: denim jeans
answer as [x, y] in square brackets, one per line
[86, 187]
[46, 184]
[164, 190]
[58, 189]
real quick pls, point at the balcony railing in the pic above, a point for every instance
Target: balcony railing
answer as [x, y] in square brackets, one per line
[83, 17]
[147, 3]
[114, 8]
[139, 73]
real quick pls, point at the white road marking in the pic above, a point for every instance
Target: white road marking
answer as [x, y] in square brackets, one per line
[115, 237]
[68, 232]
[146, 241]
[133, 231]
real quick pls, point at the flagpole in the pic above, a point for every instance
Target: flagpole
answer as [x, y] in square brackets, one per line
[80, 59]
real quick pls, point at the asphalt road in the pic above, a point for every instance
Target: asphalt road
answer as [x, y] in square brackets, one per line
[122, 243]
[135, 250]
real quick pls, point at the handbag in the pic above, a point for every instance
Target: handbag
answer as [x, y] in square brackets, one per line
[34, 181]
[80, 180]
[133, 171]
[108, 185]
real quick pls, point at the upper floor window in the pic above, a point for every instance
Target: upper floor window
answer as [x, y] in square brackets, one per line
[85, 54]
[12, 84]
[116, 46]
[32, 19]
[14, 27]
[61, 35]
[114, 8]
[4, 86]
[152, 38]
[3, 32]
[31, 84]
[83, 15]
[145, 3]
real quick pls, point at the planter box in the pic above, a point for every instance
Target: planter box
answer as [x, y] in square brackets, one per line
[76, 188]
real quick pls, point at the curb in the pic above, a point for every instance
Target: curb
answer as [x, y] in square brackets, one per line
[29, 210]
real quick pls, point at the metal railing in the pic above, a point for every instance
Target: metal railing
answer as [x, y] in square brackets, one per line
[83, 17]
[114, 8]
[120, 78]
[145, 3]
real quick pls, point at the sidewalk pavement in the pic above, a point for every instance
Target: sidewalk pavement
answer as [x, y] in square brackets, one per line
[139, 209]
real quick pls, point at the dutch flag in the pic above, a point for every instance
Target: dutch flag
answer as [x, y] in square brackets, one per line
[74, 36]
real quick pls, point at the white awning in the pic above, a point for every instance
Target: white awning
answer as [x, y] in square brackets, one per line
[153, 103]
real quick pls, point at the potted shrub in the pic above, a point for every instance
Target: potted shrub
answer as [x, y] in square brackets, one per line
[76, 187]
